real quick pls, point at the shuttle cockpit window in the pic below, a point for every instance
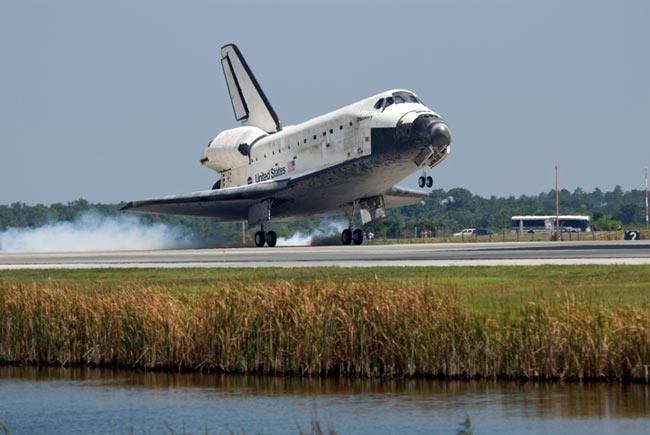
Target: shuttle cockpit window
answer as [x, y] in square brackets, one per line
[389, 101]
[406, 97]
[379, 104]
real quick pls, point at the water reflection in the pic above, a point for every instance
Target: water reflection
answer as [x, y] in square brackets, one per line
[214, 402]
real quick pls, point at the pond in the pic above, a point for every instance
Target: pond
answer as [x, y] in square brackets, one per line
[85, 401]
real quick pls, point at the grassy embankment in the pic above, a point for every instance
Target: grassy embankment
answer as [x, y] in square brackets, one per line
[548, 322]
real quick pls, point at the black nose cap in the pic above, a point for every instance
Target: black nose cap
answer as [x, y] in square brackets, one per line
[431, 130]
[439, 134]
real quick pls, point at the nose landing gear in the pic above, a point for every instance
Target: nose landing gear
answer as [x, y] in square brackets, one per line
[261, 237]
[425, 181]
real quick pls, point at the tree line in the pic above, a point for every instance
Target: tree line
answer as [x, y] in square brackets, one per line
[441, 213]
[445, 212]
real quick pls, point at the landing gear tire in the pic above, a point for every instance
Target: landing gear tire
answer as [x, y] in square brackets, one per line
[429, 181]
[346, 237]
[260, 238]
[422, 181]
[271, 238]
[357, 236]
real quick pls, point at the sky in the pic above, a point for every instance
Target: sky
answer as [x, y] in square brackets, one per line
[114, 101]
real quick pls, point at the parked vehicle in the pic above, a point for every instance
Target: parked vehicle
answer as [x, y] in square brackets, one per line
[474, 232]
[546, 224]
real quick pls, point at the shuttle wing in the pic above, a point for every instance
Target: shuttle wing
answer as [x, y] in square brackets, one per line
[232, 204]
[225, 205]
[248, 100]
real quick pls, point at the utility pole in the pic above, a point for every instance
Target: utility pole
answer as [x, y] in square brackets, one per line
[646, 198]
[557, 207]
[243, 233]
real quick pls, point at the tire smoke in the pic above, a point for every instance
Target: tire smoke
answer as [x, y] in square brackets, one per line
[93, 232]
[327, 233]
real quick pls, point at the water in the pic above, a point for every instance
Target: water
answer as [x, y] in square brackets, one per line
[89, 401]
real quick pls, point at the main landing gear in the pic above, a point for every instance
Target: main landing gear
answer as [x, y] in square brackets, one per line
[349, 237]
[425, 181]
[269, 237]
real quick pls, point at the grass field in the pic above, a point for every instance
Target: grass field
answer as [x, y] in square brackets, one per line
[482, 289]
[543, 322]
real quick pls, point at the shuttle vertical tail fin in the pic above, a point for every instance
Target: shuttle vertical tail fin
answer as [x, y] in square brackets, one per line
[248, 100]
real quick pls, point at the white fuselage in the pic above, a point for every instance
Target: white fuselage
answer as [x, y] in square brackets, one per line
[330, 139]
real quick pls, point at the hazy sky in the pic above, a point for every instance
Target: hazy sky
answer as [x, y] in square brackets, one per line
[115, 100]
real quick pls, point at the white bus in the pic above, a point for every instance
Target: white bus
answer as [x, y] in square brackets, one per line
[546, 224]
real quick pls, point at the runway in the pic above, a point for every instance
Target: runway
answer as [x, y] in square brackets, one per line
[448, 254]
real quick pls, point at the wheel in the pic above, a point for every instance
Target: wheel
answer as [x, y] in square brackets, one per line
[429, 181]
[217, 185]
[421, 181]
[259, 239]
[346, 237]
[271, 238]
[357, 236]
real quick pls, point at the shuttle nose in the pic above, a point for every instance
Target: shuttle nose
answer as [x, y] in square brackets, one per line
[439, 134]
[431, 130]
[432, 138]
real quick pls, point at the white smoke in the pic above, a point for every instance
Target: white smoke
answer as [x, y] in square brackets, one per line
[93, 232]
[324, 231]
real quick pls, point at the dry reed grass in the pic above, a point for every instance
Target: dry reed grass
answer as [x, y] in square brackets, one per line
[320, 328]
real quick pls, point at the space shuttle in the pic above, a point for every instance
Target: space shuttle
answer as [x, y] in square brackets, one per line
[344, 162]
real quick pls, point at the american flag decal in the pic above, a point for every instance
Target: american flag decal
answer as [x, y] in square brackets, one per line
[291, 166]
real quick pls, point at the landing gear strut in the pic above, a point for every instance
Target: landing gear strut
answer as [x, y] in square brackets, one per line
[270, 238]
